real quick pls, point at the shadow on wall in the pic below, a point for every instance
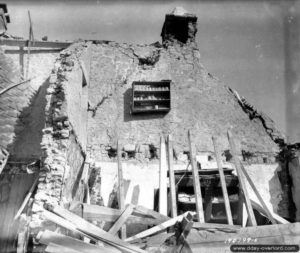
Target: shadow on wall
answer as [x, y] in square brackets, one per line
[28, 130]
[283, 205]
[127, 100]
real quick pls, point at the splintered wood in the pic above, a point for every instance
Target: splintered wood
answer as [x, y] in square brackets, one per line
[186, 232]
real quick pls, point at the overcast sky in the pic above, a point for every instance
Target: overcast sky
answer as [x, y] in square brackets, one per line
[241, 42]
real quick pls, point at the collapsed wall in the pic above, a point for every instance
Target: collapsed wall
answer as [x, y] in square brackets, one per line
[64, 137]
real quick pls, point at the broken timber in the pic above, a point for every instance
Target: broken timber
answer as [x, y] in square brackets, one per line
[140, 215]
[241, 179]
[196, 183]
[158, 228]
[48, 237]
[76, 223]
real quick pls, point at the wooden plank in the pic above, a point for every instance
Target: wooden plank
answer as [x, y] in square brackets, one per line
[94, 231]
[54, 248]
[152, 213]
[196, 183]
[141, 215]
[18, 186]
[32, 188]
[241, 179]
[122, 219]
[172, 178]
[198, 225]
[42, 44]
[48, 237]
[121, 192]
[223, 182]
[158, 228]
[278, 218]
[163, 197]
[267, 211]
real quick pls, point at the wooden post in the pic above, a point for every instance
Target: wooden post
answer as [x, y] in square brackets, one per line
[121, 193]
[172, 178]
[270, 216]
[163, 209]
[223, 182]
[196, 183]
[241, 180]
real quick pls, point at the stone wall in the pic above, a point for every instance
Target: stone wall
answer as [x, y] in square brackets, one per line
[64, 136]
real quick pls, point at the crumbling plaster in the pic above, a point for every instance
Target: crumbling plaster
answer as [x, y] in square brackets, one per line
[198, 102]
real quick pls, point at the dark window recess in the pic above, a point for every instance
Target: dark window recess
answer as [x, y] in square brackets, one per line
[153, 97]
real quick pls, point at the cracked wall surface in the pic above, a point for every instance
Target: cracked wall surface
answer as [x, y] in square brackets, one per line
[198, 102]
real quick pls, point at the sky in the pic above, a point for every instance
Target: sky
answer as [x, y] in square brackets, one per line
[241, 42]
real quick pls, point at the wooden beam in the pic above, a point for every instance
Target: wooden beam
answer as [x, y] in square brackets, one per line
[55, 248]
[41, 44]
[196, 183]
[121, 220]
[121, 191]
[270, 217]
[278, 218]
[95, 232]
[48, 237]
[223, 182]
[31, 190]
[198, 225]
[141, 215]
[163, 197]
[172, 178]
[241, 179]
[158, 228]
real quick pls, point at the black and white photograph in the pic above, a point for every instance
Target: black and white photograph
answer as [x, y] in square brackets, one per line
[149, 126]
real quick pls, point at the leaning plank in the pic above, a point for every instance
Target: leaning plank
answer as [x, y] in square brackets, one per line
[278, 218]
[223, 182]
[172, 178]
[196, 183]
[94, 231]
[48, 237]
[267, 211]
[241, 179]
[162, 205]
[27, 198]
[158, 228]
[121, 220]
[54, 248]
[121, 191]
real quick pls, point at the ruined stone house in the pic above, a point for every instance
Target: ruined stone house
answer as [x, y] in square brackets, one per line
[64, 124]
